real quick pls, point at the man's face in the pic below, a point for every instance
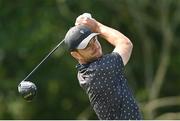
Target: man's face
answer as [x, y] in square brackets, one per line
[92, 52]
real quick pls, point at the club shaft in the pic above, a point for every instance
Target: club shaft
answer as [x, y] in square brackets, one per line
[54, 49]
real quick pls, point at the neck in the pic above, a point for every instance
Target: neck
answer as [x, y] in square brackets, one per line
[85, 61]
[82, 62]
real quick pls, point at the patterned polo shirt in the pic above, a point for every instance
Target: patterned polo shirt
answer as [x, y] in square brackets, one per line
[106, 85]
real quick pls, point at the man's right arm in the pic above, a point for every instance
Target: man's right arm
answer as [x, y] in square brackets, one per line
[122, 44]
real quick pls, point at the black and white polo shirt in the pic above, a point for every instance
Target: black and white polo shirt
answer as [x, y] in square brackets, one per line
[106, 85]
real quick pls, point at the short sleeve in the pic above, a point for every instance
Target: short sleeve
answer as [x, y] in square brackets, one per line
[110, 64]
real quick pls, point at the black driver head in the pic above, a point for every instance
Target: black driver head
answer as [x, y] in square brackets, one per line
[27, 89]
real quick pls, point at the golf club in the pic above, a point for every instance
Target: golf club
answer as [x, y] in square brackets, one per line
[28, 89]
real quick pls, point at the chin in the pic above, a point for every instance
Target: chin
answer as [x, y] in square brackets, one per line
[94, 58]
[98, 56]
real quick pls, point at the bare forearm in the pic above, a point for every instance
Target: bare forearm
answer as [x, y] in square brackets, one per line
[111, 35]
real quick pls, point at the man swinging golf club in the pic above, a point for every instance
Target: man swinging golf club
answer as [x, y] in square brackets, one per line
[102, 76]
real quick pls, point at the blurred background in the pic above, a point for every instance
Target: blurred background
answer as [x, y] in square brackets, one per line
[29, 29]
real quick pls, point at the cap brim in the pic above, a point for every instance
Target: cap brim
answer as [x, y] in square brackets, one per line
[85, 42]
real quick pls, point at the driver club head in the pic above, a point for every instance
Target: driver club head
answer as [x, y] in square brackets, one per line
[28, 90]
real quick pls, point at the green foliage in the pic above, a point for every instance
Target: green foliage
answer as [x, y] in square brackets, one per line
[30, 29]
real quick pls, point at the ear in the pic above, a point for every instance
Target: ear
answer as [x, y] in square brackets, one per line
[76, 55]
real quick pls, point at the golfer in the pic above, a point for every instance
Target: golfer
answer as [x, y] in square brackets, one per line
[102, 76]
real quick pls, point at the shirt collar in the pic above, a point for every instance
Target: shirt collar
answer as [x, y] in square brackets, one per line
[81, 66]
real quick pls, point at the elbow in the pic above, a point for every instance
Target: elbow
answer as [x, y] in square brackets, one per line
[129, 44]
[125, 43]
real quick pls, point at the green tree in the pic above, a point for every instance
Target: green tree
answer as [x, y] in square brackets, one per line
[30, 29]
